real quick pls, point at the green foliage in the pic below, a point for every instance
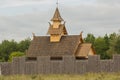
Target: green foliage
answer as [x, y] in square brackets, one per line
[117, 45]
[23, 45]
[105, 46]
[7, 47]
[101, 47]
[107, 41]
[15, 54]
[90, 38]
[114, 38]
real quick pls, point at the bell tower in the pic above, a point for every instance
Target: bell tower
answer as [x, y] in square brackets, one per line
[57, 27]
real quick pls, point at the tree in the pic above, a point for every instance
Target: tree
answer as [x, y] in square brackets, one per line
[24, 45]
[6, 48]
[112, 40]
[107, 41]
[15, 54]
[90, 38]
[101, 47]
[117, 45]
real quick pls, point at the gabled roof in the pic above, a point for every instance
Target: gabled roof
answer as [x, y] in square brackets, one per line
[59, 30]
[41, 46]
[83, 49]
[57, 16]
[67, 45]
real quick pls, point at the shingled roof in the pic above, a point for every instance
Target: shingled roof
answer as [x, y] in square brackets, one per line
[83, 49]
[59, 43]
[41, 46]
[59, 30]
[57, 16]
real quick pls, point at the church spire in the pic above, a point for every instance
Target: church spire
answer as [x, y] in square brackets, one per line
[57, 28]
[57, 16]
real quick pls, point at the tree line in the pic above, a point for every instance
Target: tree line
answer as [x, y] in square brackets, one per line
[10, 49]
[104, 46]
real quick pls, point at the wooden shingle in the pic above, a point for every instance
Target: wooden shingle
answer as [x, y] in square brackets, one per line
[41, 46]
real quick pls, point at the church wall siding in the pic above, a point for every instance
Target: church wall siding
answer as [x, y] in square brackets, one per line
[116, 63]
[80, 66]
[93, 64]
[15, 66]
[106, 65]
[22, 65]
[57, 67]
[6, 68]
[66, 65]
[43, 65]
[31, 68]
[69, 64]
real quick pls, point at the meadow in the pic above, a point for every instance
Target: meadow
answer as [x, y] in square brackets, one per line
[89, 76]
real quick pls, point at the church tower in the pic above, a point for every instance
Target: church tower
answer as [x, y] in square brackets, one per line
[57, 27]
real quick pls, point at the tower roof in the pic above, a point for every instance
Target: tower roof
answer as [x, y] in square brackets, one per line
[57, 16]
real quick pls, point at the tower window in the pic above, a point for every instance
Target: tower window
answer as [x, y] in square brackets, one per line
[56, 58]
[81, 58]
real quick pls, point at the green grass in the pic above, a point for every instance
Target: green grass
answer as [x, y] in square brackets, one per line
[89, 76]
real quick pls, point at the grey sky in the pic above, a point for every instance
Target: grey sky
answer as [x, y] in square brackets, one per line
[19, 18]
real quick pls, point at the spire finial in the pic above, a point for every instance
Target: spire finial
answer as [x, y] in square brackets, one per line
[57, 3]
[57, 16]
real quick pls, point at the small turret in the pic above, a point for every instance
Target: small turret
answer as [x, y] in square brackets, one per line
[57, 28]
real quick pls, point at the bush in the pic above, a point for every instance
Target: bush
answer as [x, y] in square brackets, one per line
[15, 54]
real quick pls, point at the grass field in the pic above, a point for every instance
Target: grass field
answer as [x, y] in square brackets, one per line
[89, 76]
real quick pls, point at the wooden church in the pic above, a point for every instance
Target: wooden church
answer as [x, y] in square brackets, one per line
[59, 43]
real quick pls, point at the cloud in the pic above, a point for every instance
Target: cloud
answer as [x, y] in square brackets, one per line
[94, 16]
[15, 3]
[108, 2]
[21, 26]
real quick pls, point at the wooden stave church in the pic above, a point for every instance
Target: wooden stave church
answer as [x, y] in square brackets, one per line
[59, 43]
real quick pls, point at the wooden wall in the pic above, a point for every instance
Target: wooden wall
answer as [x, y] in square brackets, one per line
[66, 65]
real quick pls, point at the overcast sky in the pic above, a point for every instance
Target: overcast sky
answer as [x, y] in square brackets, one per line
[20, 18]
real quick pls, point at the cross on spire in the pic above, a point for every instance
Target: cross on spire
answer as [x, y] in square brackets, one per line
[57, 16]
[57, 3]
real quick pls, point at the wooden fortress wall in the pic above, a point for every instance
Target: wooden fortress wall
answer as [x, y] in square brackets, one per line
[68, 65]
